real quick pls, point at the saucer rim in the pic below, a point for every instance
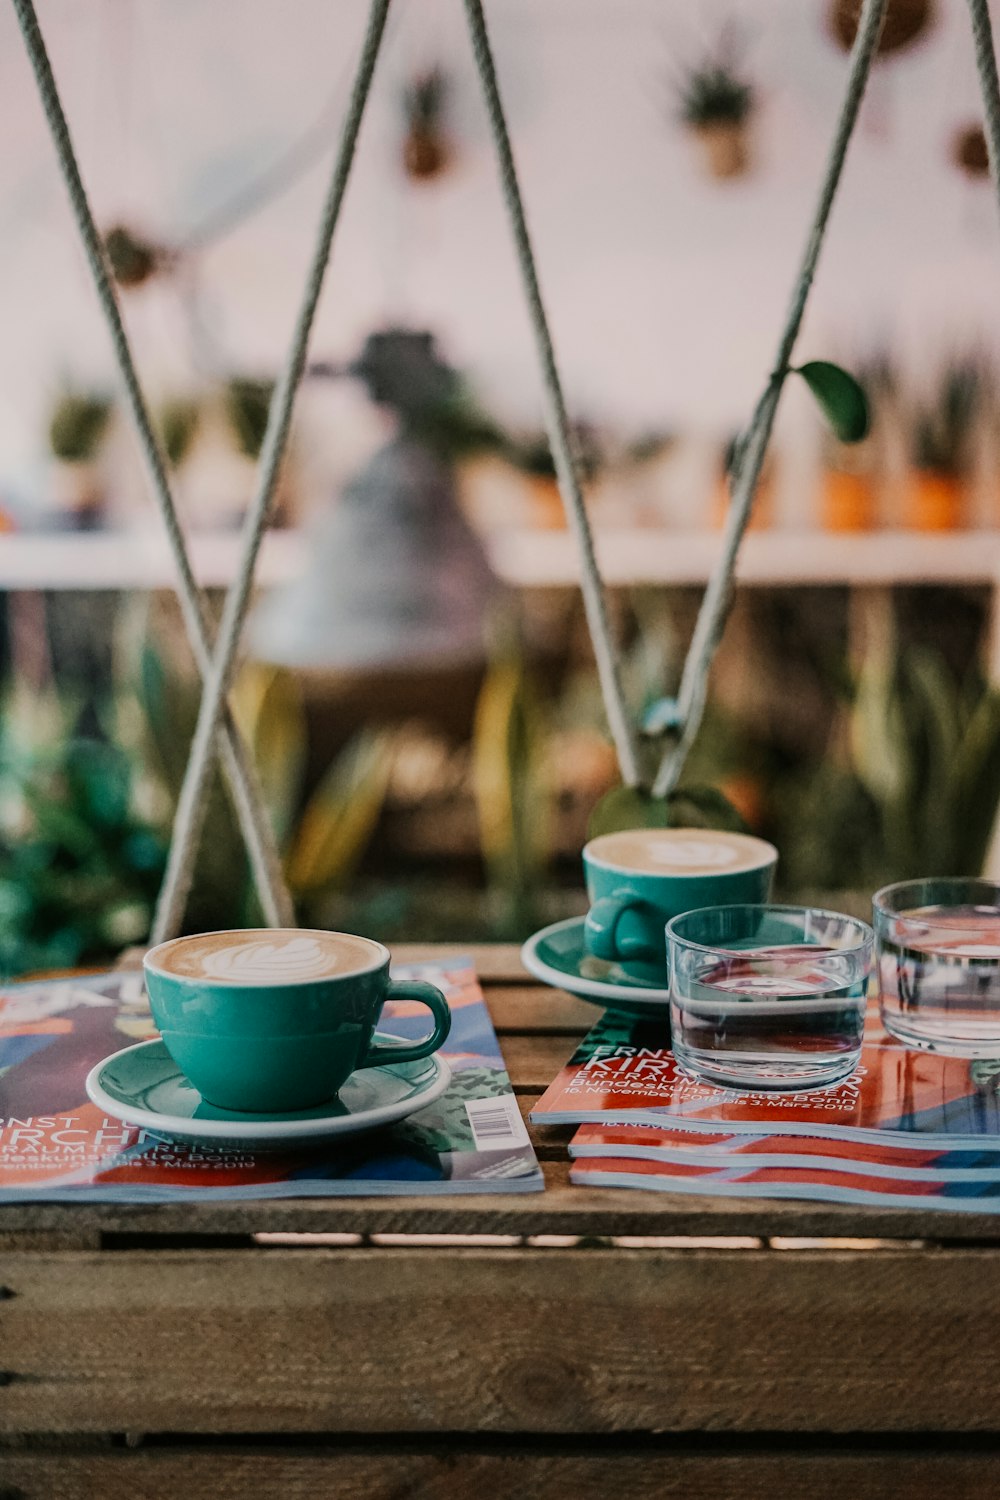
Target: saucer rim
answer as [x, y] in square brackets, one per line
[620, 996]
[275, 1130]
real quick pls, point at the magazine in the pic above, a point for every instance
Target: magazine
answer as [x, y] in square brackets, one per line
[624, 1072]
[791, 1153]
[55, 1144]
[832, 1186]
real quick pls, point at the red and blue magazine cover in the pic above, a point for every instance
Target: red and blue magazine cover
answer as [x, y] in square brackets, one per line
[55, 1144]
[624, 1072]
[789, 1152]
[816, 1182]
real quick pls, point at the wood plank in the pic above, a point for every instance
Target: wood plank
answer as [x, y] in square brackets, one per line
[546, 1341]
[459, 1472]
[562, 1209]
[537, 1008]
[533, 1061]
[496, 963]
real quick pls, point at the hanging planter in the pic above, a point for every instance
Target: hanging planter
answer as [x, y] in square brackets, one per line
[717, 107]
[969, 152]
[426, 148]
[134, 259]
[906, 22]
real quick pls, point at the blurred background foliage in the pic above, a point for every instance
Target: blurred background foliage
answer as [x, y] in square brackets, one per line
[861, 765]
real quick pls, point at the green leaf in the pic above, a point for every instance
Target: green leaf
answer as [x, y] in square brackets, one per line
[840, 398]
[687, 807]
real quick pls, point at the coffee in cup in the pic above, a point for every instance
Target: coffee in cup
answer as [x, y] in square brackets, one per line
[273, 1020]
[639, 878]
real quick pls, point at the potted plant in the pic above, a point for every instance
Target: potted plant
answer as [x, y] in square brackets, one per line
[762, 515]
[77, 428]
[716, 107]
[533, 457]
[426, 150]
[940, 435]
[853, 473]
[179, 419]
[246, 404]
[906, 21]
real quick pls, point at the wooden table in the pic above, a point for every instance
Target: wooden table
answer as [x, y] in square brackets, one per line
[580, 1344]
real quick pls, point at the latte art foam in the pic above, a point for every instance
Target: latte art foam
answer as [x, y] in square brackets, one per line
[267, 956]
[680, 851]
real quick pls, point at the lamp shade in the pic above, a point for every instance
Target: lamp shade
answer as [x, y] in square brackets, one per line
[396, 576]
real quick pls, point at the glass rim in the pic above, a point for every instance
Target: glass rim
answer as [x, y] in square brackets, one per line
[938, 924]
[865, 938]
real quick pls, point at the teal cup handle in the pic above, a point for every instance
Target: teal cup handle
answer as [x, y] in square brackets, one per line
[606, 935]
[380, 1053]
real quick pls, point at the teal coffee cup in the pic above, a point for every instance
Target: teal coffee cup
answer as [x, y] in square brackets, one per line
[639, 878]
[273, 1020]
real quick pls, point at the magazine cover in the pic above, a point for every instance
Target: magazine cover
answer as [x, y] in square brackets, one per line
[623, 1071]
[55, 1144]
[790, 1152]
[779, 1182]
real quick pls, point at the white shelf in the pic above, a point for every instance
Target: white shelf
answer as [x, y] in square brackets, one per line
[530, 559]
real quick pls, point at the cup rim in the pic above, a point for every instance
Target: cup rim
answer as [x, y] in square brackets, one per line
[866, 940]
[150, 965]
[766, 859]
[881, 896]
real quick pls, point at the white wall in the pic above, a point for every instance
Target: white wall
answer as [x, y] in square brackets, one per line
[665, 289]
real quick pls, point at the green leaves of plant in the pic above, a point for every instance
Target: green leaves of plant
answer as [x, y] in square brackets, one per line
[840, 398]
[687, 807]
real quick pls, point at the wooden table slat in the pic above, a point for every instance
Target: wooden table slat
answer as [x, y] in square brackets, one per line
[546, 1341]
[462, 1472]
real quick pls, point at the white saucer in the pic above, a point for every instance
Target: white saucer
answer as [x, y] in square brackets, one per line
[143, 1086]
[557, 956]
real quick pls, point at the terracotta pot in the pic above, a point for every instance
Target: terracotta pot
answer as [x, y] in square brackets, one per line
[425, 153]
[848, 501]
[762, 514]
[547, 511]
[933, 501]
[725, 148]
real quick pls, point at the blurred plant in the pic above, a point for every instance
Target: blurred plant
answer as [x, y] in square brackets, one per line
[77, 426]
[714, 94]
[79, 866]
[532, 454]
[179, 419]
[247, 403]
[941, 429]
[512, 797]
[911, 785]
[425, 148]
[404, 371]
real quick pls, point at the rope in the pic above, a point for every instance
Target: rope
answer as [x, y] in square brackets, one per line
[750, 455]
[556, 420]
[191, 804]
[982, 37]
[264, 859]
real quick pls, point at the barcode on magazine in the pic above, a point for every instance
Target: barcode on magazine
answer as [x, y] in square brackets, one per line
[496, 1123]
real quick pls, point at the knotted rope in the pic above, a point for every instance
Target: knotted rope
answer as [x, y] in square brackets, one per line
[237, 765]
[191, 804]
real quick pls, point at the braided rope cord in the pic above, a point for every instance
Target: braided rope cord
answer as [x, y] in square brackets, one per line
[750, 455]
[237, 765]
[989, 86]
[556, 419]
[191, 803]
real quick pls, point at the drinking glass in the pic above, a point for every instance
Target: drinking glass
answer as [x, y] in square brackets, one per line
[768, 997]
[938, 944]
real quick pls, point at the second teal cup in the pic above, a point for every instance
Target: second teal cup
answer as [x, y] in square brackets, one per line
[640, 878]
[276, 1020]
